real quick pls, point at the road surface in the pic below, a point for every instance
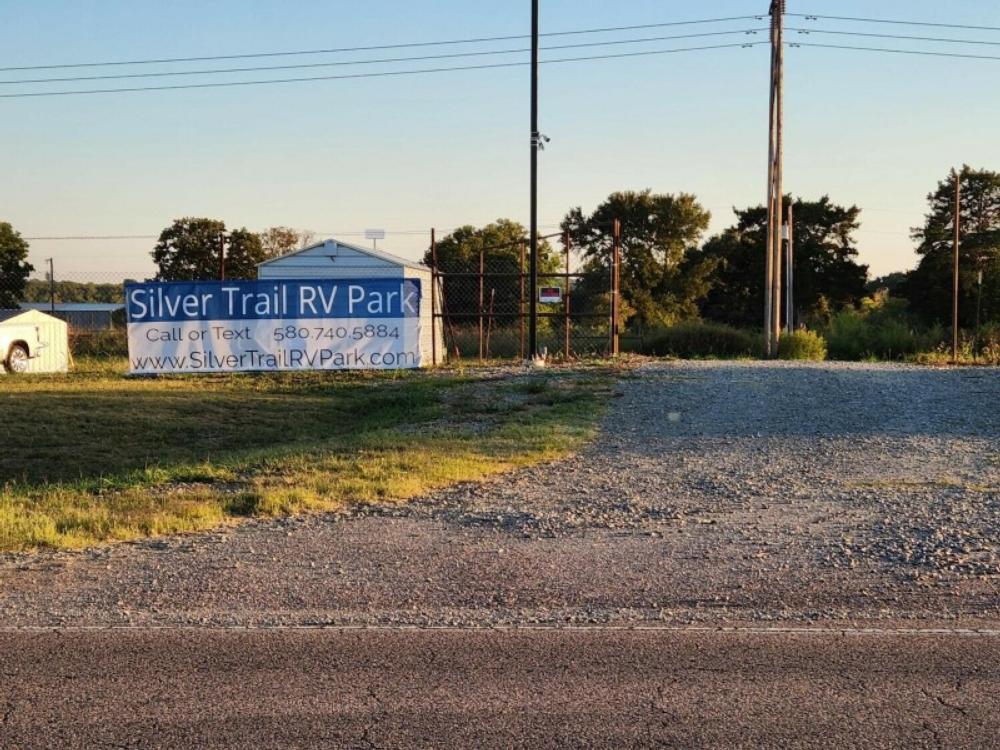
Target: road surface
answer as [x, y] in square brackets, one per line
[496, 689]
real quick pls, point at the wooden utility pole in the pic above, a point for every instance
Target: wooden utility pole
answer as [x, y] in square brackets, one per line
[222, 257]
[775, 196]
[954, 290]
[789, 273]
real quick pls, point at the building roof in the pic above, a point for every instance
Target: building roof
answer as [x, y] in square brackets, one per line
[74, 306]
[29, 316]
[378, 254]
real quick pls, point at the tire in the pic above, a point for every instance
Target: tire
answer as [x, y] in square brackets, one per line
[17, 360]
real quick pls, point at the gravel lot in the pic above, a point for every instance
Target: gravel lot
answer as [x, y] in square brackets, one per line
[717, 493]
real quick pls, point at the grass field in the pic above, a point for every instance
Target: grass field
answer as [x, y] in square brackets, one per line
[93, 457]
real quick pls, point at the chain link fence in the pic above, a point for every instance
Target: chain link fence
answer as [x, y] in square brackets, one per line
[482, 309]
[485, 311]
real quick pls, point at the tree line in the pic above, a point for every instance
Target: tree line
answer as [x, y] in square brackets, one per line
[670, 270]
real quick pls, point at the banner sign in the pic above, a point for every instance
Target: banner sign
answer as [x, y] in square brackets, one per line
[303, 324]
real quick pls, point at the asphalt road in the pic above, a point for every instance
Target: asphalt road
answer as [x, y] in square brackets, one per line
[212, 688]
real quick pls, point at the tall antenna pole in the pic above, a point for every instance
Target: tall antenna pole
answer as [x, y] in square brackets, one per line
[954, 280]
[535, 137]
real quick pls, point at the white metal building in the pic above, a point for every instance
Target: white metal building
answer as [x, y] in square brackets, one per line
[31, 341]
[82, 316]
[333, 259]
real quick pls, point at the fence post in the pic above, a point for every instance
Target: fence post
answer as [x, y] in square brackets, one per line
[489, 325]
[520, 308]
[482, 300]
[615, 283]
[566, 344]
[434, 309]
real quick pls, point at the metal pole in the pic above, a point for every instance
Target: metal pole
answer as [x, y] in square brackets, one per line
[489, 325]
[954, 291]
[789, 274]
[434, 306]
[482, 301]
[52, 286]
[615, 284]
[979, 307]
[222, 257]
[520, 308]
[566, 343]
[533, 286]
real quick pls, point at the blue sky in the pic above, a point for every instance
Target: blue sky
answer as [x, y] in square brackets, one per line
[441, 150]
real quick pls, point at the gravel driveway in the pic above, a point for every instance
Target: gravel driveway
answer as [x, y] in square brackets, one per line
[718, 493]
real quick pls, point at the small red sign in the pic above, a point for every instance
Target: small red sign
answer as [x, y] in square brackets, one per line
[550, 295]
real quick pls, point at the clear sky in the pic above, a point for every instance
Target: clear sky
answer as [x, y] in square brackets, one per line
[407, 153]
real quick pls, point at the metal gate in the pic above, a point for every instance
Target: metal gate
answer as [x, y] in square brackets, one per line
[484, 313]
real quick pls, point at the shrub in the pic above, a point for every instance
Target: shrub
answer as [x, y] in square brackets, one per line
[856, 335]
[802, 344]
[882, 327]
[695, 339]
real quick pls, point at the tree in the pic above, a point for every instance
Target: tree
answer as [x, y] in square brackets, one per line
[827, 276]
[243, 252]
[660, 280]
[189, 250]
[891, 283]
[500, 244]
[14, 267]
[929, 286]
[278, 241]
[38, 290]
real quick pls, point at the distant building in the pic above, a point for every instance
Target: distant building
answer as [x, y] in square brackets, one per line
[82, 316]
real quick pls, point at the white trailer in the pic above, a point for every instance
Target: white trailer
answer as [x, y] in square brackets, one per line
[31, 342]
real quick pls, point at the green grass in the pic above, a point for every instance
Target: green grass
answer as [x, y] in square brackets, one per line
[93, 457]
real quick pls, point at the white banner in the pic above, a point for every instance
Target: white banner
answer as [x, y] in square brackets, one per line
[350, 325]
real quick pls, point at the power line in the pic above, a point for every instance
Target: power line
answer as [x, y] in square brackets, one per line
[318, 232]
[96, 237]
[380, 74]
[338, 63]
[926, 53]
[893, 21]
[896, 36]
[369, 48]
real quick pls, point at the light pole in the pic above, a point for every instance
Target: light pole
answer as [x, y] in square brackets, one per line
[535, 143]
